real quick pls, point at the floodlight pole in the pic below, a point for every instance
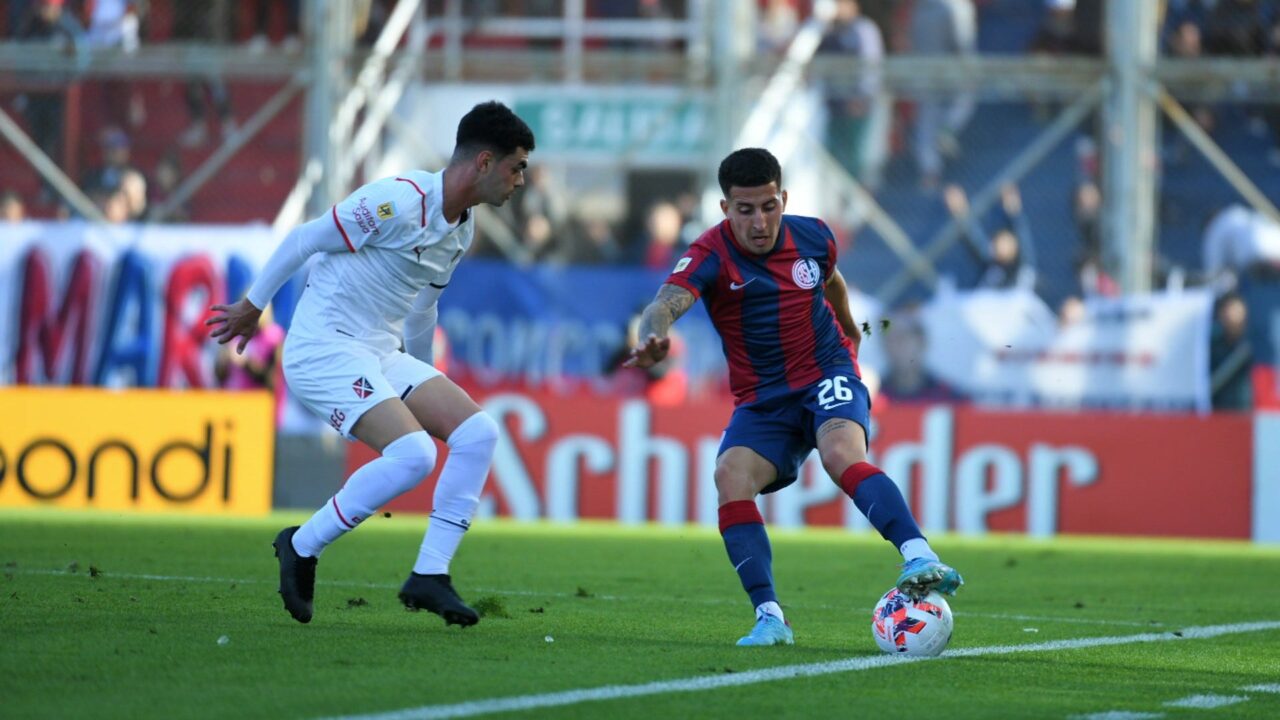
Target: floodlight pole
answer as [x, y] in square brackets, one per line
[1129, 158]
[727, 76]
[732, 20]
[329, 26]
[575, 12]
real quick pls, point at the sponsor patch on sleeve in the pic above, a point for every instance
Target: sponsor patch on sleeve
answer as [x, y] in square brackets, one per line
[386, 211]
[684, 263]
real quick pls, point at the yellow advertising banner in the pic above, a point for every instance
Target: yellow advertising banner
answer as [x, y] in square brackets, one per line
[145, 450]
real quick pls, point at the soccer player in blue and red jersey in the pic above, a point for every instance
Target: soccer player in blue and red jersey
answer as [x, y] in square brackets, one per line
[774, 294]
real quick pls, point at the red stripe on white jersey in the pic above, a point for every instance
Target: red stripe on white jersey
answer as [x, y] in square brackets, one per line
[342, 230]
[424, 198]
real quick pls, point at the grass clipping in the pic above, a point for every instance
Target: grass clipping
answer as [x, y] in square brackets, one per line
[491, 606]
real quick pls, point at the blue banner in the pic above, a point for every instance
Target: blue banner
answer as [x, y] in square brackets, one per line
[536, 324]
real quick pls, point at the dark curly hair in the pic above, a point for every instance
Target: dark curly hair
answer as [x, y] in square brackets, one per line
[492, 126]
[749, 167]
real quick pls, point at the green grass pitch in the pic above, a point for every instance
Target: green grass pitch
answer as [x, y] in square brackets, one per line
[108, 616]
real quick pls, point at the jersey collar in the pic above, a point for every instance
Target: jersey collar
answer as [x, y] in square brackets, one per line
[437, 223]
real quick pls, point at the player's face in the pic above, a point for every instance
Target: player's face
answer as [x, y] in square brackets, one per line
[755, 213]
[500, 176]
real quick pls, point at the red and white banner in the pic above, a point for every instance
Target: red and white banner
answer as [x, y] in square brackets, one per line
[1138, 352]
[962, 469]
[119, 305]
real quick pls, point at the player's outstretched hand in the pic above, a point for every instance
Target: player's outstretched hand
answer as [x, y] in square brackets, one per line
[234, 321]
[649, 354]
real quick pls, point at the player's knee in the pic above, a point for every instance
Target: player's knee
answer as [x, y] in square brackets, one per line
[836, 463]
[415, 453]
[732, 484]
[836, 467]
[478, 433]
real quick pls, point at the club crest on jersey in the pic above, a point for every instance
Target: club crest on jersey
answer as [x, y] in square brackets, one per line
[362, 388]
[386, 211]
[805, 272]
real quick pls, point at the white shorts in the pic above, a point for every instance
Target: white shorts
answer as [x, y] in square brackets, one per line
[340, 379]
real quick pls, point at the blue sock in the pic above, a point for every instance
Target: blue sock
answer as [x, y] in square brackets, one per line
[879, 499]
[748, 545]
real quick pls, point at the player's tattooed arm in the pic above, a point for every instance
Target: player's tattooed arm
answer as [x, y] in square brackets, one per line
[672, 302]
[837, 294]
[653, 344]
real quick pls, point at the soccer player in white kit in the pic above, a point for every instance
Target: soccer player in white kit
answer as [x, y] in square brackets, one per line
[358, 352]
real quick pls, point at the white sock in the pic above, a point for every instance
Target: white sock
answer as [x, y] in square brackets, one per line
[458, 492]
[917, 548]
[321, 529]
[769, 608]
[404, 463]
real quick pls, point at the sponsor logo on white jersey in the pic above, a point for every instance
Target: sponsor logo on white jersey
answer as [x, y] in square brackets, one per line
[364, 217]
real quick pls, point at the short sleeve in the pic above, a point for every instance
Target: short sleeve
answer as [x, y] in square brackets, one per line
[696, 270]
[375, 214]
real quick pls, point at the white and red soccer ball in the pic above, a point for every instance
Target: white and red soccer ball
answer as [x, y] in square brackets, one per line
[904, 626]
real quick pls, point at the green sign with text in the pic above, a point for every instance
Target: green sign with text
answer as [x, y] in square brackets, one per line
[645, 129]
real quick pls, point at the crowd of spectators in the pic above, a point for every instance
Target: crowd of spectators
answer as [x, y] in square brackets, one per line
[931, 126]
[1225, 28]
[64, 115]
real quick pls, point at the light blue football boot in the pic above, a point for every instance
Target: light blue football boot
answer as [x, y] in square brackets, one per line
[769, 630]
[922, 575]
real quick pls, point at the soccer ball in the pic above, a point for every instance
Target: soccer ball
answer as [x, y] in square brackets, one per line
[904, 626]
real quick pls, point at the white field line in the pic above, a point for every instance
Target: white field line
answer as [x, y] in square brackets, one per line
[1206, 702]
[783, 672]
[1118, 715]
[536, 594]
[1198, 702]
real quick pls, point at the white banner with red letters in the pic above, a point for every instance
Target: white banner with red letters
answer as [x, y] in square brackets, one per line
[1006, 347]
[961, 468]
[119, 305]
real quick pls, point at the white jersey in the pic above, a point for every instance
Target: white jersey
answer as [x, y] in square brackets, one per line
[400, 245]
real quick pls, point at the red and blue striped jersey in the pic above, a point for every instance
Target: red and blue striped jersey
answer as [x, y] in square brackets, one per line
[778, 331]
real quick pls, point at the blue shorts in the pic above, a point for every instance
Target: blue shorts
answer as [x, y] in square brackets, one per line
[783, 429]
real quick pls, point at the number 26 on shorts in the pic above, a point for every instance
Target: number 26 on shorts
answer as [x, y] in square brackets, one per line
[834, 391]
